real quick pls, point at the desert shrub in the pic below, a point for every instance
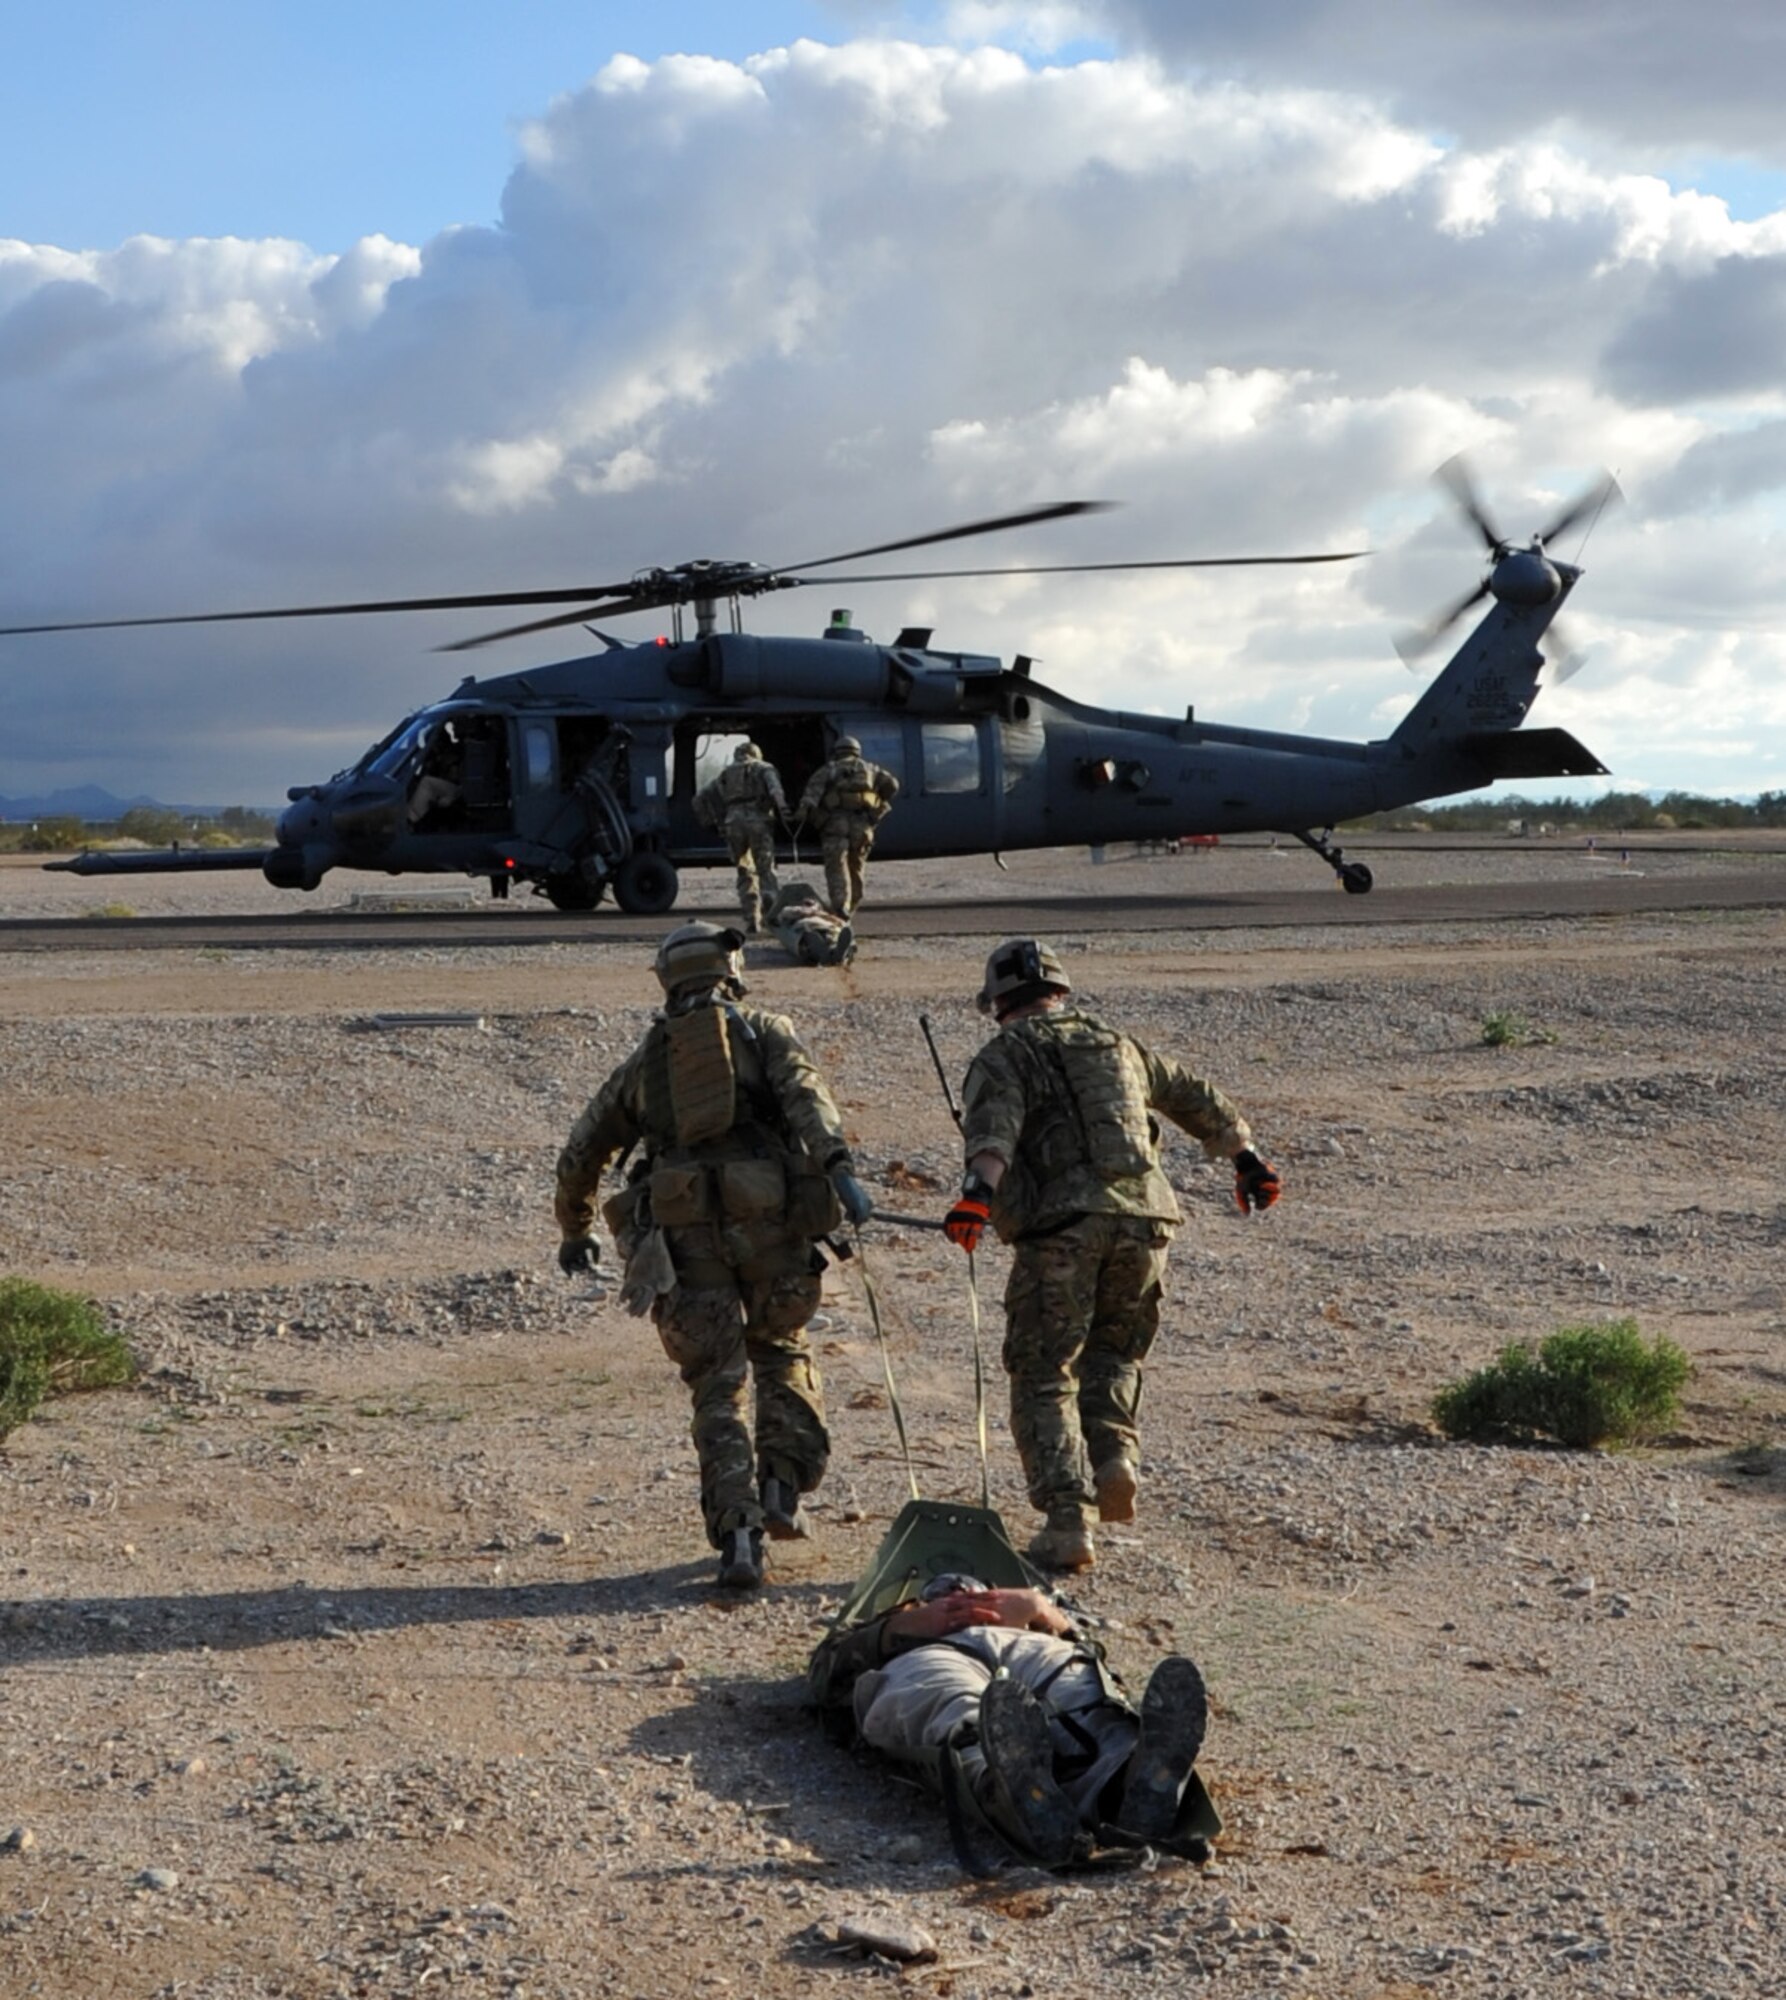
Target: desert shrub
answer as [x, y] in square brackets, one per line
[1585, 1386]
[1505, 1028]
[60, 834]
[52, 1343]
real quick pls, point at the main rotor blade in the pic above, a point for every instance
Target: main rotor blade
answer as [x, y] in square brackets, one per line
[1454, 476]
[581, 615]
[1604, 492]
[1082, 569]
[585, 594]
[1411, 645]
[1059, 511]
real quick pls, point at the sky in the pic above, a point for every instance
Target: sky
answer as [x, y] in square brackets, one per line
[321, 302]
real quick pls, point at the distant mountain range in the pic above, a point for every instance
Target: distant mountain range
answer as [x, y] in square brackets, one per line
[94, 802]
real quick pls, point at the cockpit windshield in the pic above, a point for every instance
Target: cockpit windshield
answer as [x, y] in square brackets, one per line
[393, 754]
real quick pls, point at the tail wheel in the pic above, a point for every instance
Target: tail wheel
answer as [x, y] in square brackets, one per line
[1355, 878]
[645, 884]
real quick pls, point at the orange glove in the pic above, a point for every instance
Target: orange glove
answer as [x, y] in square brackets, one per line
[1256, 1183]
[966, 1222]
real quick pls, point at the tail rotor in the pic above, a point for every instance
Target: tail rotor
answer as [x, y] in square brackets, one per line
[1515, 574]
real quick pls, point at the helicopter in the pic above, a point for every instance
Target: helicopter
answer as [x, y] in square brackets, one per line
[578, 778]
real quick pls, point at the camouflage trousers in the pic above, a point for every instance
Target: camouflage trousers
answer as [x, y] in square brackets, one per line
[726, 1328]
[845, 842]
[1081, 1311]
[751, 838]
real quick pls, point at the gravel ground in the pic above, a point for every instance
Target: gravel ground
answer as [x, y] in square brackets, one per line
[369, 1646]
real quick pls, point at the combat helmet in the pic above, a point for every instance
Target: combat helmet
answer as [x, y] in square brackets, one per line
[1018, 971]
[847, 746]
[747, 753]
[700, 955]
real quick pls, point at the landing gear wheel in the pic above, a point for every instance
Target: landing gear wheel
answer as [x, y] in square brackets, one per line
[1353, 876]
[645, 884]
[572, 893]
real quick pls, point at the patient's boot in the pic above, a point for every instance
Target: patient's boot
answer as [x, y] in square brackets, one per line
[1174, 1715]
[1019, 1794]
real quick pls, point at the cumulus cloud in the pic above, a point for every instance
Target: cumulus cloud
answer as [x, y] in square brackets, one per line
[829, 295]
[1648, 76]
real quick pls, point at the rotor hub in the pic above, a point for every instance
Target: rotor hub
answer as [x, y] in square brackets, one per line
[1526, 578]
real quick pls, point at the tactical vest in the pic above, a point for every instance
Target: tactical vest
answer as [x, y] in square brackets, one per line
[716, 1143]
[743, 784]
[849, 787]
[1085, 1098]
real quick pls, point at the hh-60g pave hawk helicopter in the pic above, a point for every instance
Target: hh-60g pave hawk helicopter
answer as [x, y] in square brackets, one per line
[581, 775]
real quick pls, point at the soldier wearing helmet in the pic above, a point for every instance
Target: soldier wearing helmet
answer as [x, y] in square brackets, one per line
[1063, 1160]
[743, 803]
[845, 799]
[742, 1166]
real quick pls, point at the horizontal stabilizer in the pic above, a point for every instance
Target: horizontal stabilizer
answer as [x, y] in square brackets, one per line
[1532, 753]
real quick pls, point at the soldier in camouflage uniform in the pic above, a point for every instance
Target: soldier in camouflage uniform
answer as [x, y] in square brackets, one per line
[845, 800]
[806, 930]
[743, 803]
[1063, 1160]
[742, 1167]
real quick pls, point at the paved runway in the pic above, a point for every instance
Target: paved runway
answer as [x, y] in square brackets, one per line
[1611, 890]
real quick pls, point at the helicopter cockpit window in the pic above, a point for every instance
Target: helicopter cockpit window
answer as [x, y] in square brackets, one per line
[401, 750]
[951, 757]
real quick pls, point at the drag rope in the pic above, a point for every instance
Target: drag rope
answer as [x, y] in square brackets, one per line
[973, 1316]
[880, 1333]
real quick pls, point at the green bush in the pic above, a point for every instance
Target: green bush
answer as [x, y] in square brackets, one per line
[1506, 1028]
[52, 1343]
[1585, 1386]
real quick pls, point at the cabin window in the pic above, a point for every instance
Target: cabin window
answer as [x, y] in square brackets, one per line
[951, 757]
[536, 752]
[882, 740]
[1023, 744]
[713, 754]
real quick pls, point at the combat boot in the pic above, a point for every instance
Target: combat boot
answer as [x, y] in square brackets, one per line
[1065, 1543]
[1019, 1794]
[781, 1509]
[1117, 1484]
[1174, 1715]
[741, 1559]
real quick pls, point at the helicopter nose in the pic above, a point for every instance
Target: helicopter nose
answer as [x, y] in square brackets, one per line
[302, 821]
[364, 813]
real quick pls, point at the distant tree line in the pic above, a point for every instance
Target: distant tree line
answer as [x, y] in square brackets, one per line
[1616, 812]
[153, 826]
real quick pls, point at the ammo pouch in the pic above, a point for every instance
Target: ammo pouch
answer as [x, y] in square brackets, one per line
[621, 1211]
[813, 1207]
[743, 1190]
[680, 1196]
[751, 1189]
